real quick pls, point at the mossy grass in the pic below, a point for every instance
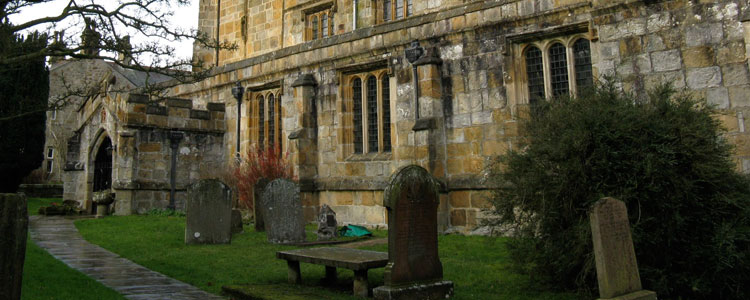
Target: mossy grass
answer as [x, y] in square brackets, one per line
[479, 266]
[33, 204]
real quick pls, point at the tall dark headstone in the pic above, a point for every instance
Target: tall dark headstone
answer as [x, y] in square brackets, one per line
[282, 212]
[14, 222]
[209, 213]
[414, 270]
[258, 205]
[616, 267]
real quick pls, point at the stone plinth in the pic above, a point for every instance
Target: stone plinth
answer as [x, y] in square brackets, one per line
[14, 222]
[209, 213]
[414, 270]
[616, 267]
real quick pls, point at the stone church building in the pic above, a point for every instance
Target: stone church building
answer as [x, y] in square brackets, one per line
[353, 90]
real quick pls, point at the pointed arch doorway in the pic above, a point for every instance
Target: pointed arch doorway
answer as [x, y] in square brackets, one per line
[103, 168]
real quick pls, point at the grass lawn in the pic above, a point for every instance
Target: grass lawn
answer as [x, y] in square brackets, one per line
[478, 266]
[33, 204]
[45, 277]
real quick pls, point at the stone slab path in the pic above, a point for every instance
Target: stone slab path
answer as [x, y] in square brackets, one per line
[60, 238]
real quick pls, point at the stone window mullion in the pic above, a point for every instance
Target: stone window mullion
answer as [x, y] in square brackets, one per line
[570, 53]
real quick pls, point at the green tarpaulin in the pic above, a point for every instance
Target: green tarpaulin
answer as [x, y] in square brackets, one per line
[354, 230]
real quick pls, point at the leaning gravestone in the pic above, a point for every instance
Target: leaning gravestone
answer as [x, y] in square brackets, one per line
[414, 270]
[209, 213]
[257, 205]
[282, 212]
[326, 223]
[14, 222]
[616, 268]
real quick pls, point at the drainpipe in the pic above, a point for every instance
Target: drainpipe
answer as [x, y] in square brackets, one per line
[354, 14]
[174, 142]
[413, 53]
[218, 25]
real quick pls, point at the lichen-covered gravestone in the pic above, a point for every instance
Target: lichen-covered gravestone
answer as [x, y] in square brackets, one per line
[209, 213]
[327, 223]
[260, 225]
[282, 212]
[616, 267]
[14, 222]
[414, 270]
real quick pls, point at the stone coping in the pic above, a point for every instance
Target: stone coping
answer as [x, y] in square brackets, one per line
[353, 259]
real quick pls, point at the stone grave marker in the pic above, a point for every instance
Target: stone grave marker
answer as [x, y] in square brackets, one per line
[14, 222]
[616, 267]
[282, 212]
[414, 270]
[209, 213]
[257, 204]
[236, 221]
[327, 223]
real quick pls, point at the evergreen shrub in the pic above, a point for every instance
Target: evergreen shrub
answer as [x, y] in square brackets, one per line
[665, 156]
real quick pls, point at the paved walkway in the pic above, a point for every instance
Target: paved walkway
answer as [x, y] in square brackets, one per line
[60, 238]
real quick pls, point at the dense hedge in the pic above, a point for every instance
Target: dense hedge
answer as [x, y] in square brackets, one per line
[665, 157]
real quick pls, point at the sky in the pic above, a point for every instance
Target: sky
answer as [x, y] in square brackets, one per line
[184, 17]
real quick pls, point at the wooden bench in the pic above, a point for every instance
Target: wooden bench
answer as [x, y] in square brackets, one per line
[360, 261]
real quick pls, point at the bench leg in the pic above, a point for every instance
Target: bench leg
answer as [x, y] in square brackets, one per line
[331, 276]
[294, 275]
[360, 283]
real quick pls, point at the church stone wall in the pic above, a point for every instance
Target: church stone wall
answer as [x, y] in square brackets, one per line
[472, 87]
[143, 134]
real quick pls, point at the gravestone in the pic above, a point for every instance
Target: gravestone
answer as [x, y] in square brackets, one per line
[257, 204]
[616, 267]
[209, 213]
[327, 223]
[236, 221]
[14, 222]
[414, 270]
[282, 212]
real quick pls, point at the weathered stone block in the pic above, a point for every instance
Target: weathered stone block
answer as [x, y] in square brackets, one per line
[458, 217]
[703, 34]
[460, 199]
[666, 60]
[718, 97]
[739, 96]
[698, 57]
[701, 78]
[735, 74]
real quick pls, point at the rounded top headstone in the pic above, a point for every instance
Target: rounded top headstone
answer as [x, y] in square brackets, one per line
[409, 176]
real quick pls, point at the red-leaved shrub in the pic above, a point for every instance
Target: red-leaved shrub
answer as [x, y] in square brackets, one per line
[260, 163]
